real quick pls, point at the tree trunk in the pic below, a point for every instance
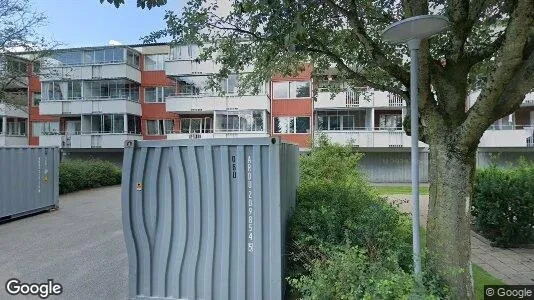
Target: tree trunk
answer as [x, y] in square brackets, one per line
[451, 173]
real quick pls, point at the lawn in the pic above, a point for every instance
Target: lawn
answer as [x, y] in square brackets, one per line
[399, 189]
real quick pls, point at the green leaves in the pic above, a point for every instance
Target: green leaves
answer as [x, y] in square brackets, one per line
[75, 175]
[503, 204]
[140, 3]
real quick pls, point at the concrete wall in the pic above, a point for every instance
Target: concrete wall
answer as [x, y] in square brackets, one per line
[394, 167]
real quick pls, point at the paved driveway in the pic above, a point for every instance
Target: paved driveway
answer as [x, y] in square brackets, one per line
[80, 246]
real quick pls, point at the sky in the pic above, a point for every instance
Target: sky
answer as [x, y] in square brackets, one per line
[81, 23]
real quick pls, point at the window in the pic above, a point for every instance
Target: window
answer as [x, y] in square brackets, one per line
[36, 98]
[251, 121]
[193, 85]
[158, 94]
[132, 58]
[291, 89]
[184, 52]
[45, 128]
[159, 127]
[229, 85]
[106, 123]
[134, 124]
[155, 62]
[74, 90]
[16, 126]
[292, 125]
[299, 89]
[341, 120]
[390, 121]
[281, 90]
[112, 89]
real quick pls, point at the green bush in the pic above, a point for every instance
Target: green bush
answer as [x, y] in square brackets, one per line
[343, 234]
[350, 274]
[75, 175]
[503, 204]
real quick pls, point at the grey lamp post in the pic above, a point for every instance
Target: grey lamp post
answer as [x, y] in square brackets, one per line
[412, 31]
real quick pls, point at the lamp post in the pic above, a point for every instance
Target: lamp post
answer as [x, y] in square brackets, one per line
[411, 31]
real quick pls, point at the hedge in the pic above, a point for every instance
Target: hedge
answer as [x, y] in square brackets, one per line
[503, 204]
[75, 175]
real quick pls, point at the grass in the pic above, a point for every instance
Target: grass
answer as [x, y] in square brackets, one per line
[399, 190]
[482, 278]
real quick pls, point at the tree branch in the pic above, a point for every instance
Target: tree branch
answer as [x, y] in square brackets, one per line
[372, 48]
[507, 76]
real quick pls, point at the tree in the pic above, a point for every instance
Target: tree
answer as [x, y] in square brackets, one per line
[490, 45]
[20, 47]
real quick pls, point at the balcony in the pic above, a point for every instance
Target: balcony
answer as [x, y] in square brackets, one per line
[361, 98]
[97, 140]
[13, 140]
[518, 137]
[190, 67]
[203, 103]
[216, 135]
[85, 107]
[92, 72]
[12, 111]
[371, 139]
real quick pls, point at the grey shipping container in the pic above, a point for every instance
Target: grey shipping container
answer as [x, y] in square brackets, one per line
[206, 219]
[29, 180]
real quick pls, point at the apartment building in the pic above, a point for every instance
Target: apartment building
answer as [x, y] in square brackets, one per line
[13, 114]
[93, 99]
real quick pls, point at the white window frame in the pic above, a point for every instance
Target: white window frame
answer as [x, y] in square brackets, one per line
[290, 90]
[294, 118]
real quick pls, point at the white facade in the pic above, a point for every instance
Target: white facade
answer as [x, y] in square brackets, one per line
[13, 126]
[92, 72]
[208, 103]
[84, 107]
[107, 140]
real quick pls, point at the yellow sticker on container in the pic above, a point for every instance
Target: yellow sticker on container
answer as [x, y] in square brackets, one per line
[45, 178]
[139, 186]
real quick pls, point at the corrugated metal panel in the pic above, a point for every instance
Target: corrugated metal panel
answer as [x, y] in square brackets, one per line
[206, 219]
[28, 180]
[392, 167]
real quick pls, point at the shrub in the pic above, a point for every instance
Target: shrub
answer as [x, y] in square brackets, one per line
[337, 209]
[77, 175]
[503, 204]
[329, 213]
[350, 274]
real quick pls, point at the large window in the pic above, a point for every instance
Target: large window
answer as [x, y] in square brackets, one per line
[16, 126]
[390, 121]
[342, 120]
[291, 89]
[107, 123]
[196, 125]
[292, 125]
[158, 94]
[111, 89]
[155, 62]
[239, 121]
[159, 127]
[184, 52]
[134, 124]
[93, 56]
[45, 128]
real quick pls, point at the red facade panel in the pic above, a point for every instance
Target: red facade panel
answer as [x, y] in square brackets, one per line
[292, 107]
[303, 140]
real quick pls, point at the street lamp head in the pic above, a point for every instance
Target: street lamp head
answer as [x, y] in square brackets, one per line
[415, 28]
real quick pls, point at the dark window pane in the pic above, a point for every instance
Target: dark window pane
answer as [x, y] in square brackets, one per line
[302, 125]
